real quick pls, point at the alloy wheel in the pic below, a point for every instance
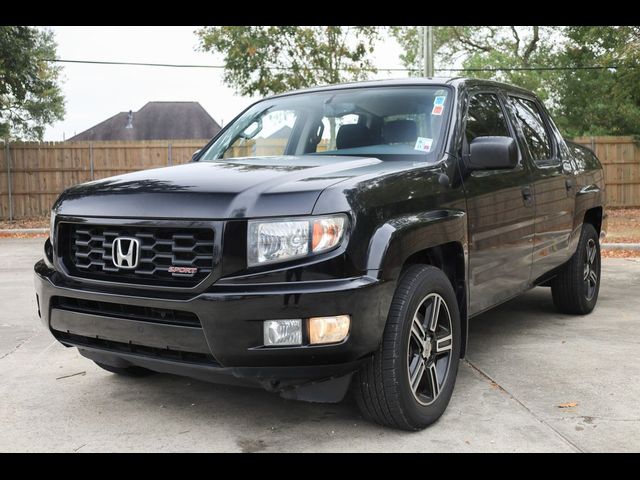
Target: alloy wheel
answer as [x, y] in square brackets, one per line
[590, 273]
[429, 349]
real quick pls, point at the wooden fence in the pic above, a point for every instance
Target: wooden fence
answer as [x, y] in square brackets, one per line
[32, 175]
[620, 157]
[37, 172]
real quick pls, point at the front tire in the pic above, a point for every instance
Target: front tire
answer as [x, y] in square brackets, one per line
[575, 289]
[408, 382]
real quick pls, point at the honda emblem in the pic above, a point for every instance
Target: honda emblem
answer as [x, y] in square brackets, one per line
[126, 252]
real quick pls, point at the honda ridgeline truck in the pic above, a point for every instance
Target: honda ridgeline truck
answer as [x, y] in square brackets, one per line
[332, 238]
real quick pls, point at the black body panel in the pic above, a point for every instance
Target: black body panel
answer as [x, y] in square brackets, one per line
[495, 234]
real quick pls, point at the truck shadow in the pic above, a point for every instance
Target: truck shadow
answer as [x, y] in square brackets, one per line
[531, 312]
[264, 420]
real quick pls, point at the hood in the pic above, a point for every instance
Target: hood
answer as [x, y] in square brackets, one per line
[246, 187]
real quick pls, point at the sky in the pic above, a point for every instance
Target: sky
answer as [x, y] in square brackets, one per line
[94, 93]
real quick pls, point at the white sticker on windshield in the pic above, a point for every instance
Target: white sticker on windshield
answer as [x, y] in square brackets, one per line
[423, 144]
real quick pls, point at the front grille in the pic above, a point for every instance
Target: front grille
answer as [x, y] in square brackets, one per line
[88, 253]
[161, 353]
[129, 312]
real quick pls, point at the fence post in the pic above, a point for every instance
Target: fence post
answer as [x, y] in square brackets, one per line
[593, 144]
[9, 182]
[170, 154]
[91, 158]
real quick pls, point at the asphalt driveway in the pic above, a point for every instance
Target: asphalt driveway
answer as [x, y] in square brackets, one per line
[524, 361]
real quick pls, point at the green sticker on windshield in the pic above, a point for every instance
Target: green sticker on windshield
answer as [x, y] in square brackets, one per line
[423, 144]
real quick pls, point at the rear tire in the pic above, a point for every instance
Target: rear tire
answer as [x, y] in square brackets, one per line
[408, 382]
[131, 371]
[575, 289]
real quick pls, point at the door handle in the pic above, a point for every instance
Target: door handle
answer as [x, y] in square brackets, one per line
[568, 183]
[527, 195]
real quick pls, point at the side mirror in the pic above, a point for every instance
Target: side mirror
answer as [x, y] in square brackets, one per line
[490, 153]
[252, 129]
[195, 154]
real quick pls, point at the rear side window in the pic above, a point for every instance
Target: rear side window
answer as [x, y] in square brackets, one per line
[485, 117]
[535, 133]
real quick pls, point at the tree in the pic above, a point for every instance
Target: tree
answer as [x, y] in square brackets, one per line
[274, 59]
[30, 97]
[410, 39]
[487, 47]
[601, 101]
[583, 101]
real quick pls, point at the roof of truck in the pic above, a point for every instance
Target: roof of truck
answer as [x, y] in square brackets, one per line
[407, 81]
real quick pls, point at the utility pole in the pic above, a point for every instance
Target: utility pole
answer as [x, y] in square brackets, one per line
[421, 36]
[427, 43]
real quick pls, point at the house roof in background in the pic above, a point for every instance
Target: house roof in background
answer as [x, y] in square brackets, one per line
[155, 121]
[284, 132]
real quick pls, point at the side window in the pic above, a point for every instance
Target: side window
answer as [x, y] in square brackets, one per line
[535, 133]
[485, 117]
[267, 135]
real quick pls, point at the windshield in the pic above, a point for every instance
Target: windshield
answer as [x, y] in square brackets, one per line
[389, 123]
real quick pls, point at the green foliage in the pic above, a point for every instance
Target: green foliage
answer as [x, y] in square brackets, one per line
[30, 97]
[486, 47]
[583, 102]
[274, 59]
[599, 102]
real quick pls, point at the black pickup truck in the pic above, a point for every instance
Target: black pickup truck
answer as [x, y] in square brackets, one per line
[329, 238]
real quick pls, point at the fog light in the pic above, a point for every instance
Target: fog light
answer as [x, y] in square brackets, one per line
[282, 332]
[328, 329]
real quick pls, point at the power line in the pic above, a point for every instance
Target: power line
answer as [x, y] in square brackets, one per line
[497, 69]
[141, 64]
[389, 69]
[182, 65]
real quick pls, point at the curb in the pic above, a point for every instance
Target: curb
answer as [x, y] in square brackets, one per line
[621, 246]
[24, 230]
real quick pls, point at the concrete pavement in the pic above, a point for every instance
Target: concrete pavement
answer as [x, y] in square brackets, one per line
[524, 360]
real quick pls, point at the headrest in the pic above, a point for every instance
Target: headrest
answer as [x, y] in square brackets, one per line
[353, 135]
[400, 131]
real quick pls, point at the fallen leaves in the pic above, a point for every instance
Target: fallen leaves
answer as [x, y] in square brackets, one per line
[626, 213]
[623, 226]
[620, 253]
[23, 235]
[29, 222]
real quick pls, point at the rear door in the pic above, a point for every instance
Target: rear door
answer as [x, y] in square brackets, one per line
[500, 212]
[554, 184]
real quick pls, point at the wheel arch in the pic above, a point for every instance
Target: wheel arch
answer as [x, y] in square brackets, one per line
[436, 238]
[593, 216]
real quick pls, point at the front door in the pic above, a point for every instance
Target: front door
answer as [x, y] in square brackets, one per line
[500, 209]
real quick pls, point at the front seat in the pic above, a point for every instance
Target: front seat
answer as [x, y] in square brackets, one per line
[400, 131]
[353, 135]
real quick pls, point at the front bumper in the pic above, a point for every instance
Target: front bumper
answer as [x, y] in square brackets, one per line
[227, 345]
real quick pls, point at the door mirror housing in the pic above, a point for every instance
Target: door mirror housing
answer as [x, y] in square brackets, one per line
[491, 153]
[195, 154]
[252, 129]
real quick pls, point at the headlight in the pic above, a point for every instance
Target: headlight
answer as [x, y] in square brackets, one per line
[48, 253]
[278, 240]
